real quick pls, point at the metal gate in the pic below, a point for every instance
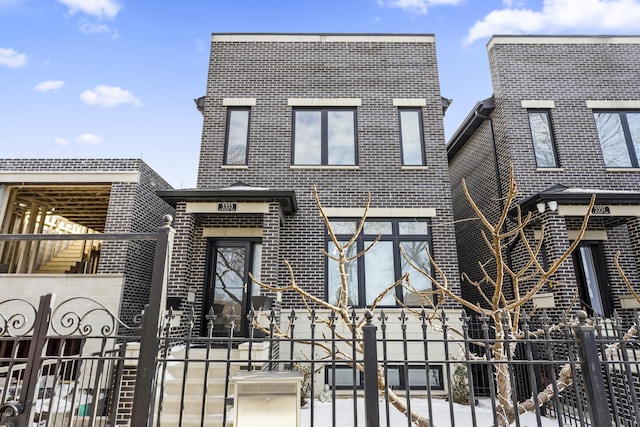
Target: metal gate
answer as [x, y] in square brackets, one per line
[74, 362]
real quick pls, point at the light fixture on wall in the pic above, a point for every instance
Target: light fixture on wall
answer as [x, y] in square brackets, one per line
[552, 205]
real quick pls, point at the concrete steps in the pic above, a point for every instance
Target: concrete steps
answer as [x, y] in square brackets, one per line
[184, 393]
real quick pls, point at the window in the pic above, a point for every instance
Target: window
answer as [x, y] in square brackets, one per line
[383, 264]
[411, 136]
[237, 140]
[324, 136]
[542, 136]
[619, 134]
[397, 377]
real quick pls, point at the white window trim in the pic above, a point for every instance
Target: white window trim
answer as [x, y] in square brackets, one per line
[238, 102]
[538, 104]
[613, 104]
[409, 102]
[381, 212]
[324, 102]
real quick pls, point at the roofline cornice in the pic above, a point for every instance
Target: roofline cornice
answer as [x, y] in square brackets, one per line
[323, 37]
[286, 198]
[469, 125]
[561, 39]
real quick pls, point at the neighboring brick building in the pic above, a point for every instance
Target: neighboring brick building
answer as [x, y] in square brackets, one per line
[565, 114]
[283, 113]
[80, 196]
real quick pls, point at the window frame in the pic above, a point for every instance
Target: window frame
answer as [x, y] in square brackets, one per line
[324, 135]
[535, 144]
[626, 132]
[230, 111]
[402, 372]
[363, 240]
[420, 136]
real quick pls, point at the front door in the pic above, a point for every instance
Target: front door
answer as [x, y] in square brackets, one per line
[591, 275]
[228, 288]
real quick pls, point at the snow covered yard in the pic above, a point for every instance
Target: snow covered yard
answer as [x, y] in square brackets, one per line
[440, 407]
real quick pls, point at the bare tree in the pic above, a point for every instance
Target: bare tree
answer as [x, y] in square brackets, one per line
[342, 311]
[505, 291]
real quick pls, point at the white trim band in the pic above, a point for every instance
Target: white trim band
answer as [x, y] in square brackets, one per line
[395, 38]
[536, 104]
[324, 102]
[238, 102]
[381, 212]
[612, 104]
[409, 102]
[60, 177]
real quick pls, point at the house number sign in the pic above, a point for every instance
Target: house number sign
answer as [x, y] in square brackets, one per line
[600, 210]
[227, 207]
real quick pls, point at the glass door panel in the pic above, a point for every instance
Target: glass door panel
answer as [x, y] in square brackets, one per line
[229, 283]
[591, 276]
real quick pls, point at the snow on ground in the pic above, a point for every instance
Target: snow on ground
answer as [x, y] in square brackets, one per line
[441, 414]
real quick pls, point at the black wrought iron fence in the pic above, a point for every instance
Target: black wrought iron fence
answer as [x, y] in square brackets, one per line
[375, 368]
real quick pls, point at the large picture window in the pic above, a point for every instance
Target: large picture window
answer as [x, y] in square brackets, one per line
[237, 141]
[542, 136]
[383, 264]
[619, 133]
[411, 137]
[324, 136]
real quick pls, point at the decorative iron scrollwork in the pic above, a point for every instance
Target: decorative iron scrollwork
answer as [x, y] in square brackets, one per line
[87, 315]
[17, 317]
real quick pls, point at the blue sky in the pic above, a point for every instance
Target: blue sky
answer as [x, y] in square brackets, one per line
[117, 78]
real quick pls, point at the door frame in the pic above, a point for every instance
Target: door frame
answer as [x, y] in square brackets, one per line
[602, 276]
[209, 285]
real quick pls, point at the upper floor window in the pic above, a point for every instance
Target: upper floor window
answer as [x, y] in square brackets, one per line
[411, 137]
[542, 136]
[383, 264]
[237, 141]
[324, 136]
[619, 134]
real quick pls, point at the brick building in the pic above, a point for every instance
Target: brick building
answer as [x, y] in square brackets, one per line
[80, 196]
[565, 115]
[349, 114]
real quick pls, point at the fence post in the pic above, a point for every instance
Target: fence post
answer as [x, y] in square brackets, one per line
[372, 410]
[595, 391]
[151, 322]
[21, 413]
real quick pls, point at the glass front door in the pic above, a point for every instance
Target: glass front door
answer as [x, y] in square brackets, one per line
[591, 275]
[228, 287]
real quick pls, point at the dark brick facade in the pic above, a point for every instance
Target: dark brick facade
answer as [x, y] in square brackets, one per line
[568, 75]
[272, 69]
[133, 207]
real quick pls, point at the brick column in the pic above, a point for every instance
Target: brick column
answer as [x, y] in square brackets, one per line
[556, 240]
[124, 409]
[271, 245]
[181, 262]
[633, 225]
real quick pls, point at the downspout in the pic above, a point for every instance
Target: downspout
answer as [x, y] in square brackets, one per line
[498, 182]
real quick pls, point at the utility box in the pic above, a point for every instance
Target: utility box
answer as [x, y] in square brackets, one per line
[267, 399]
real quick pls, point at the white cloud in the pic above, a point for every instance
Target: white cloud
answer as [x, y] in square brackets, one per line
[12, 59]
[49, 85]
[60, 142]
[109, 96]
[417, 6]
[560, 16]
[89, 139]
[103, 9]
[97, 28]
